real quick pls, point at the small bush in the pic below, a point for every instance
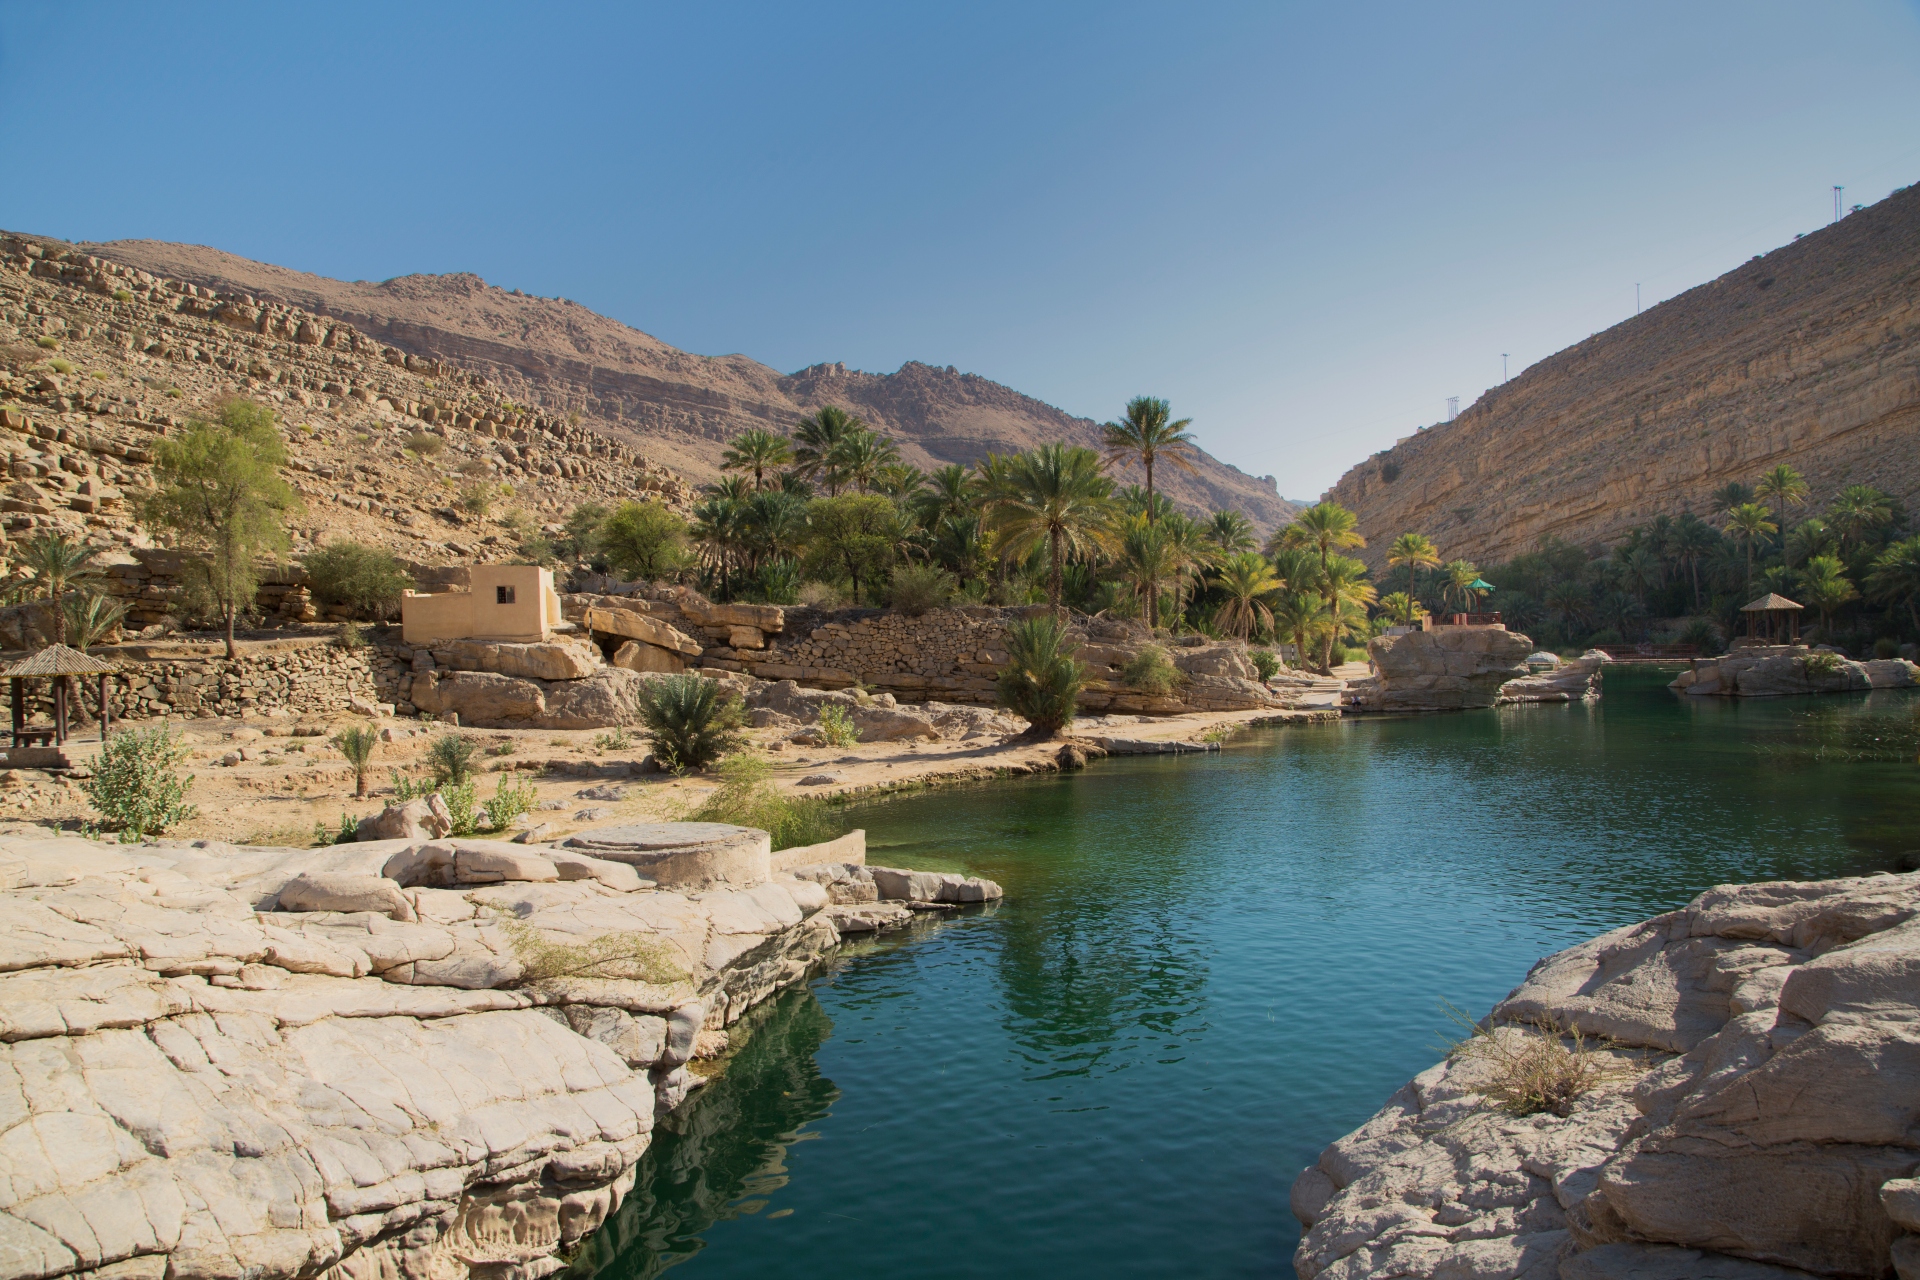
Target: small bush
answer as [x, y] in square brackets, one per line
[1042, 679]
[424, 444]
[1821, 665]
[1151, 672]
[357, 744]
[47, 342]
[819, 595]
[477, 498]
[614, 740]
[350, 636]
[1886, 647]
[919, 587]
[136, 783]
[1703, 634]
[123, 295]
[1535, 1069]
[690, 721]
[837, 727]
[748, 798]
[405, 789]
[462, 801]
[60, 366]
[1266, 662]
[501, 748]
[451, 757]
[777, 582]
[628, 957]
[366, 579]
[346, 833]
[511, 798]
[174, 393]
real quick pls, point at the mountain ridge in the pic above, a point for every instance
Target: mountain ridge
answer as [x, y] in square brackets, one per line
[681, 406]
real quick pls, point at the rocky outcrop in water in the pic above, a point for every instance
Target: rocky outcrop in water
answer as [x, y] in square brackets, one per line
[1760, 1119]
[1454, 668]
[385, 1061]
[1778, 671]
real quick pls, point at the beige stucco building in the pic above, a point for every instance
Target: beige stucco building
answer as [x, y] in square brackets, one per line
[513, 603]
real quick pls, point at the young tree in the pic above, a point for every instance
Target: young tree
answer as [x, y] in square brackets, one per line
[1747, 525]
[366, 579]
[219, 492]
[1058, 498]
[643, 540]
[1416, 551]
[856, 534]
[1147, 434]
[58, 563]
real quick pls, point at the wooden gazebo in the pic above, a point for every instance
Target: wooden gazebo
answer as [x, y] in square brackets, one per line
[60, 664]
[1774, 619]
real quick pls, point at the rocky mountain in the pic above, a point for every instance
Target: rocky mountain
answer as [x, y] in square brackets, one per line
[1809, 355]
[679, 407]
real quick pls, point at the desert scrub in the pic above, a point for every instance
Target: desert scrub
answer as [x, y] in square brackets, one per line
[690, 721]
[917, 588]
[346, 833]
[136, 784]
[366, 579]
[616, 740]
[1151, 672]
[1820, 665]
[451, 757]
[627, 956]
[1535, 1068]
[748, 798]
[424, 444]
[511, 798]
[1266, 662]
[1042, 679]
[350, 636]
[837, 727]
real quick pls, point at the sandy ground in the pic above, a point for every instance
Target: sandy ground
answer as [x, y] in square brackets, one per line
[270, 783]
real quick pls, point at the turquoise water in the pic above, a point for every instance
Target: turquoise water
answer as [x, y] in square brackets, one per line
[1206, 968]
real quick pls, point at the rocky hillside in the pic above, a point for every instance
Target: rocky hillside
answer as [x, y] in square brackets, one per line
[1809, 355]
[674, 405]
[97, 360]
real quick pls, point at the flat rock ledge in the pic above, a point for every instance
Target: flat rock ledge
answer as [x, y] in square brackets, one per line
[1762, 1120]
[397, 1060]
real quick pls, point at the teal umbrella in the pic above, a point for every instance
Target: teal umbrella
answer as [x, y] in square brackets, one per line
[1481, 584]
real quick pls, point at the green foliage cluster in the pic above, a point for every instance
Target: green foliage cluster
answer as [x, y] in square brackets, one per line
[137, 785]
[357, 743]
[1151, 672]
[1042, 677]
[748, 798]
[624, 956]
[690, 721]
[1266, 662]
[451, 756]
[353, 575]
[837, 726]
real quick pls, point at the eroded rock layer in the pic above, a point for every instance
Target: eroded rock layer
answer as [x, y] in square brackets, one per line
[1757, 1116]
[1806, 356]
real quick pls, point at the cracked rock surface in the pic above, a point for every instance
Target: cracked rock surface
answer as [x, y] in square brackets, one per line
[1759, 1118]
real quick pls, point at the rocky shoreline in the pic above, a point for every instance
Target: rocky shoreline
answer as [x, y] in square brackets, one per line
[1756, 1116]
[390, 1059]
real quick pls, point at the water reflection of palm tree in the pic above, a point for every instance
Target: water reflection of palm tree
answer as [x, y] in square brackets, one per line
[705, 1158]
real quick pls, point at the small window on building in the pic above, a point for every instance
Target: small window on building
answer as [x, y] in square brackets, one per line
[503, 595]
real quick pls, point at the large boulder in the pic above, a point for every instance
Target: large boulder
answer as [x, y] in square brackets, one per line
[1778, 671]
[1576, 681]
[637, 655]
[1445, 669]
[344, 891]
[549, 660]
[421, 819]
[607, 698]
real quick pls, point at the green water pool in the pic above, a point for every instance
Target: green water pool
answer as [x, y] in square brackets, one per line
[1206, 968]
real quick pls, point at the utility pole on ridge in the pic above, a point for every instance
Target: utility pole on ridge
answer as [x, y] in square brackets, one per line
[1836, 204]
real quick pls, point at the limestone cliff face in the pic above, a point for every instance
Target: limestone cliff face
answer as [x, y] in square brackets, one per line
[1809, 355]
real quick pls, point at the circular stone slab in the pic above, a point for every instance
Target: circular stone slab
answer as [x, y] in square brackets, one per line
[683, 855]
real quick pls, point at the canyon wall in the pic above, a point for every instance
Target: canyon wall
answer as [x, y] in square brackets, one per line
[1806, 355]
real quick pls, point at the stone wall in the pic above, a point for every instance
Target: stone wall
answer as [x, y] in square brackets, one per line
[308, 676]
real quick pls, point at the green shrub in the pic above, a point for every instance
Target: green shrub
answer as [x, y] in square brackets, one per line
[1042, 679]
[477, 498]
[47, 343]
[511, 798]
[60, 366]
[748, 798]
[1886, 647]
[689, 720]
[777, 582]
[837, 727]
[614, 740]
[405, 789]
[1151, 672]
[642, 541]
[424, 444]
[350, 636]
[347, 832]
[917, 588]
[462, 801]
[358, 743]
[365, 579]
[628, 957]
[451, 757]
[123, 295]
[1702, 633]
[1266, 662]
[136, 783]
[1821, 665]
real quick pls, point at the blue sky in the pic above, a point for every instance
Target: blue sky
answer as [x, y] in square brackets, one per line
[1306, 225]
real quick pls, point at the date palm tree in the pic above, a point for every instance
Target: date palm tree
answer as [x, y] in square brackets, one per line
[1857, 512]
[1150, 558]
[1747, 525]
[1056, 498]
[1301, 617]
[1230, 531]
[1347, 593]
[57, 563]
[1781, 488]
[859, 457]
[757, 452]
[814, 439]
[1249, 581]
[1824, 585]
[1416, 551]
[950, 491]
[1147, 434]
[1730, 495]
[1456, 583]
[1896, 577]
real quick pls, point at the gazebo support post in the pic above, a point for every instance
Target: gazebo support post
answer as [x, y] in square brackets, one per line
[106, 716]
[19, 708]
[60, 710]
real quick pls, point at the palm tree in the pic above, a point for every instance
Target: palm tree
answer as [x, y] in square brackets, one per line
[57, 563]
[91, 617]
[1857, 512]
[718, 523]
[1325, 527]
[859, 458]
[950, 491]
[1230, 531]
[1639, 570]
[1456, 583]
[1781, 488]
[1825, 586]
[1057, 498]
[1416, 551]
[901, 481]
[1730, 495]
[1747, 524]
[1693, 538]
[1896, 577]
[1569, 602]
[757, 451]
[1347, 593]
[814, 439]
[1400, 608]
[1301, 616]
[1145, 435]
[1808, 539]
[1248, 579]
[1149, 557]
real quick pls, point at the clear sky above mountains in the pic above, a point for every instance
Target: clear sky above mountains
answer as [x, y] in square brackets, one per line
[1305, 224]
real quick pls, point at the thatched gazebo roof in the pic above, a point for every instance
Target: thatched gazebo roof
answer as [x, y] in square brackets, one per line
[59, 660]
[1770, 603]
